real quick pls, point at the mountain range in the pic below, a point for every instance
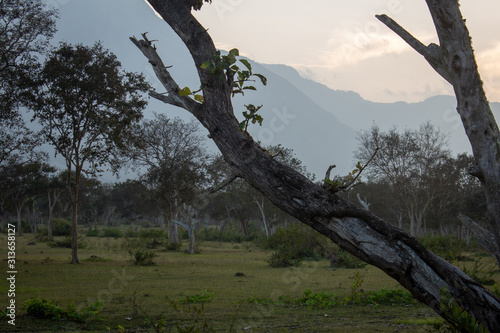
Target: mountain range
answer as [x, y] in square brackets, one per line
[324, 123]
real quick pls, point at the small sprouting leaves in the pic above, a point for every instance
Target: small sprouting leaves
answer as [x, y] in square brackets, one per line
[199, 98]
[205, 65]
[247, 65]
[185, 91]
[250, 116]
[225, 66]
[345, 183]
[237, 75]
[332, 184]
[241, 126]
[262, 78]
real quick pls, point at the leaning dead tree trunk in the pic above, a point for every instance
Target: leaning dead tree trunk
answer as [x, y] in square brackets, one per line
[357, 231]
[454, 60]
[484, 238]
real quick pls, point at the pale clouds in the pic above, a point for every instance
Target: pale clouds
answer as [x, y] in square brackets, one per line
[350, 47]
[342, 45]
[489, 67]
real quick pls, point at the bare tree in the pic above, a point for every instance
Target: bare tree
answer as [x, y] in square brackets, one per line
[353, 229]
[411, 162]
[172, 152]
[189, 223]
[454, 60]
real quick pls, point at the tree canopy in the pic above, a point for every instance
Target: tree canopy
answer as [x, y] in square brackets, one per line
[26, 26]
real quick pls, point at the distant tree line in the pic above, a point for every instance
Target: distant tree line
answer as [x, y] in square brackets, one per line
[413, 181]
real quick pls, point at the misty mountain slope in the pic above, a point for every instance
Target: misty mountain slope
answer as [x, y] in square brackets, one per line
[351, 109]
[294, 120]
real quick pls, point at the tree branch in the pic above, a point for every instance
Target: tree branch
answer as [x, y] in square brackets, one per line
[225, 183]
[405, 35]
[147, 48]
[431, 53]
[329, 170]
[185, 226]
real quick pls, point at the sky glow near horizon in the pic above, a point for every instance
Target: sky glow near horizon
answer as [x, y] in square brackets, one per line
[343, 45]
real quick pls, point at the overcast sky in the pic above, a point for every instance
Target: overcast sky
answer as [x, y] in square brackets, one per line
[338, 43]
[342, 44]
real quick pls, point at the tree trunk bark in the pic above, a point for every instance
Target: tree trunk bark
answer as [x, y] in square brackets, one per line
[260, 204]
[51, 210]
[74, 224]
[484, 238]
[19, 218]
[244, 226]
[190, 229]
[222, 229]
[191, 240]
[359, 232]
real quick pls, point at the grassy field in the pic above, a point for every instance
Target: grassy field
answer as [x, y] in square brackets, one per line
[229, 273]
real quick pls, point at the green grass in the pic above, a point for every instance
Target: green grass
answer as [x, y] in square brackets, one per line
[45, 272]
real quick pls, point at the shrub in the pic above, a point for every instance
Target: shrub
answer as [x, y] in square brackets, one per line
[496, 290]
[481, 273]
[389, 297]
[314, 301]
[143, 257]
[92, 233]
[40, 308]
[152, 238]
[301, 241]
[42, 234]
[448, 247]
[112, 233]
[460, 320]
[173, 246]
[283, 258]
[204, 297]
[61, 227]
[182, 316]
[130, 233]
[66, 242]
[346, 260]
[324, 300]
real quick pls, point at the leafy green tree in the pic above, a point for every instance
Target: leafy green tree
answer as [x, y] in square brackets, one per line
[26, 26]
[87, 105]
